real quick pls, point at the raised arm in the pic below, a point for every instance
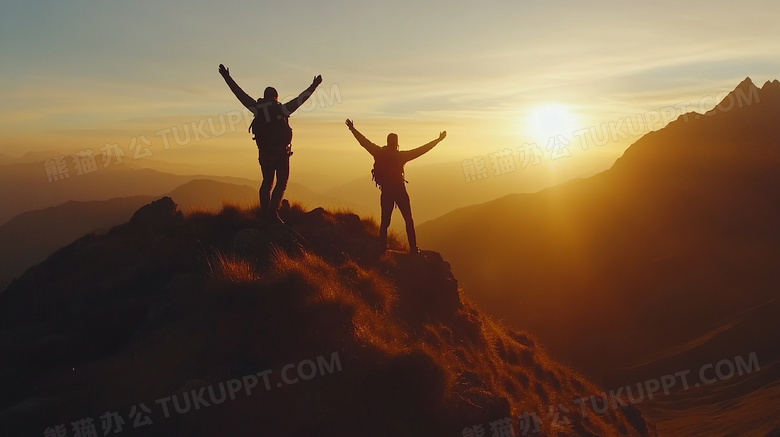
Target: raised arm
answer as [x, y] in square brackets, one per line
[295, 103]
[409, 155]
[372, 148]
[243, 97]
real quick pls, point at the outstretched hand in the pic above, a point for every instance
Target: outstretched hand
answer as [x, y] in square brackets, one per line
[317, 80]
[223, 70]
[442, 135]
[350, 124]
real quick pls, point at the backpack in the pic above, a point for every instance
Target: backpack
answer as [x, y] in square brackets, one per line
[271, 128]
[386, 170]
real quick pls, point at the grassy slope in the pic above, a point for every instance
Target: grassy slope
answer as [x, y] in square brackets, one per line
[166, 304]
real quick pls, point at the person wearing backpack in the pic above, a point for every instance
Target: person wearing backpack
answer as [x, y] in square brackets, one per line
[388, 173]
[273, 135]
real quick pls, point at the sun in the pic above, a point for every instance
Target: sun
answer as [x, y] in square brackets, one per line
[547, 121]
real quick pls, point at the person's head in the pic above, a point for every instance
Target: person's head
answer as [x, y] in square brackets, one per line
[270, 94]
[392, 141]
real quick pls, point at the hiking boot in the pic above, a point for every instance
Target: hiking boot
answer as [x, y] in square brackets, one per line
[414, 250]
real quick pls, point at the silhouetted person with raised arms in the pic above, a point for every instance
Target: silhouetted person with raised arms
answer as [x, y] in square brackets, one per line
[389, 176]
[273, 135]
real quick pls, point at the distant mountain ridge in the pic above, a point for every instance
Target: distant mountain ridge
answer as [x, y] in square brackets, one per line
[727, 128]
[31, 236]
[25, 187]
[675, 243]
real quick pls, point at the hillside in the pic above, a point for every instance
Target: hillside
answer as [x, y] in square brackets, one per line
[30, 237]
[169, 308]
[662, 263]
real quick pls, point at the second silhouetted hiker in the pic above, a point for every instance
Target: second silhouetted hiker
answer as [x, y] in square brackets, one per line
[389, 176]
[273, 136]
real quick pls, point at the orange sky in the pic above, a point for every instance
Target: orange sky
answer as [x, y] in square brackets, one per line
[81, 75]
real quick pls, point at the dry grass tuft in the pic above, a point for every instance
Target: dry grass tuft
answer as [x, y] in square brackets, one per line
[232, 268]
[191, 211]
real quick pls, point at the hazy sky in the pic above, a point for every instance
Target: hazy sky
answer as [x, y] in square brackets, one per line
[81, 74]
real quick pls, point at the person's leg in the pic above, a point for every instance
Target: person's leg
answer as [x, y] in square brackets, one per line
[406, 211]
[387, 202]
[282, 175]
[265, 187]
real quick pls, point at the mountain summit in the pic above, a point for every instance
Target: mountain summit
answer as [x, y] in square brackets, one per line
[747, 95]
[739, 132]
[216, 324]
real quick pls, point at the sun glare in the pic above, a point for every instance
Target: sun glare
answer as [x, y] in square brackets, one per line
[547, 121]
